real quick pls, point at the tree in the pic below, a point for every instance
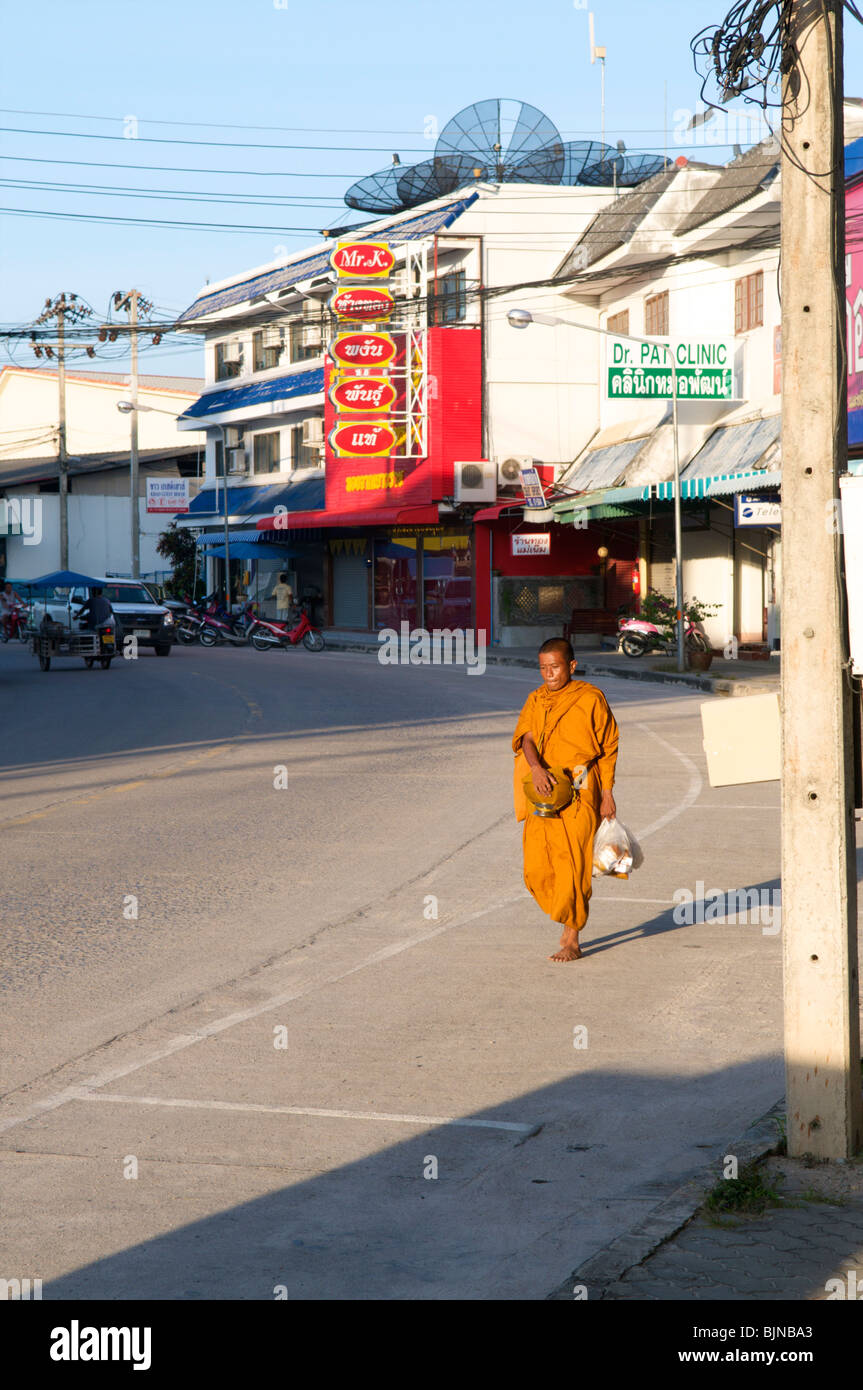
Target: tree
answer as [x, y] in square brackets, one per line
[178, 547]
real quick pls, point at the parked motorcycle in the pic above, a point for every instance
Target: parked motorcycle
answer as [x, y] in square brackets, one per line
[265, 635]
[15, 624]
[637, 637]
[234, 630]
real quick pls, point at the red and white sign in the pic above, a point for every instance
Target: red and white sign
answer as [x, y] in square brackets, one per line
[167, 494]
[363, 260]
[538, 543]
[363, 439]
[363, 349]
[372, 302]
[369, 395]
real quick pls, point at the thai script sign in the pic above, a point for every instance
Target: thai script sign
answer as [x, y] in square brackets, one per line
[363, 349]
[363, 439]
[704, 370]
[363, 260]
[364, 394]
[371, 302]
[531, 486]
[538, 543]
[167, 494]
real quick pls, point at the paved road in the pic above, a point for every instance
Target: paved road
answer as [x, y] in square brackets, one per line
[330, 1043]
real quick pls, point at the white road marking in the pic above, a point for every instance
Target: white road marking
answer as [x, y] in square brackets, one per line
[184, 1040]
[426, 1120]
[690, 795]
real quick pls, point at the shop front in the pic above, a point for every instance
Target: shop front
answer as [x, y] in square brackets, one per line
[422, 576]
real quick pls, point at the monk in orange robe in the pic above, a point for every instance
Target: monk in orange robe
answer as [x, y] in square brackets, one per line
[568, 724]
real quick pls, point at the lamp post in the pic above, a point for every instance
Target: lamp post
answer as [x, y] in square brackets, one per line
[523, 318]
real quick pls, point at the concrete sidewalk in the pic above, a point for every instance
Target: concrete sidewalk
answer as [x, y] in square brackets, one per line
[739, 677]
[806, 1245]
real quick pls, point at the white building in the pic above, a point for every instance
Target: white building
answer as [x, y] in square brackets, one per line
[97, 446]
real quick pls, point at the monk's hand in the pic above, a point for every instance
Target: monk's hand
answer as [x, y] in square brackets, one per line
[607, 808]
[543, 781]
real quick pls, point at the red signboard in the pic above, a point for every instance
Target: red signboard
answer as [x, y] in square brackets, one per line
[363, 439]
[363, 260]
[363, 349]
[370, 302]
[369, 395]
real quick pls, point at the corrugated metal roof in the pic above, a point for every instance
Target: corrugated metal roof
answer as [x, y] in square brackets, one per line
[604, 467]
[736, 182]
[614, 226]
[280, 388]
[404, 229]
[148, 381]
[736, 449]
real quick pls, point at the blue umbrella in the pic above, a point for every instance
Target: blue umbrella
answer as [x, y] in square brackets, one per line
[64, 579]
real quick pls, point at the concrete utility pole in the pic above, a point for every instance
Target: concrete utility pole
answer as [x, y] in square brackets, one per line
[62, 457]
[819, 882]
[133, 449]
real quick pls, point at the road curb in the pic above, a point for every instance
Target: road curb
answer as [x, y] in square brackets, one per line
[610, 1264]
[709, 685]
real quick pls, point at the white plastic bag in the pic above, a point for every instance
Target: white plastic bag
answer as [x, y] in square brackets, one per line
[615, 850]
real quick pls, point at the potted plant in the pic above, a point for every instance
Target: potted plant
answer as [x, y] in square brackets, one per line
[658, 609]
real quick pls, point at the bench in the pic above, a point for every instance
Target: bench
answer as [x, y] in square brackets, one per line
[594, 622]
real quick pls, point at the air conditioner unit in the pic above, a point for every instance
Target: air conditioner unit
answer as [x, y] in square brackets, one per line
[237, 461]
[311, 335]
[273, 336]
[233, 437]
[313, 430]
[312, 310]
[475, 482]
[232, 352]
[509, 470]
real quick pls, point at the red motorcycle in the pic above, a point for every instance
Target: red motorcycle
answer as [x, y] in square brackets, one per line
[14, 624]
[265, 634]
[215, 630]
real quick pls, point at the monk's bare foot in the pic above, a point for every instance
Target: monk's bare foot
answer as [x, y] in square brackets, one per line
[569, 947]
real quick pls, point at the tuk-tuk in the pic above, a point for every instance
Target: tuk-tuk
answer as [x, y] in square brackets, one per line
[51, 630]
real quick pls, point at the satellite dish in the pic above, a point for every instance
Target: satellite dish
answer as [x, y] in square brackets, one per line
[497, 136]
[605, 171]
[638, 167]
[377, 192]
[419, 183]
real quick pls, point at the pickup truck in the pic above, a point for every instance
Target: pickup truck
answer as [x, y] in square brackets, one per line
[135, 611]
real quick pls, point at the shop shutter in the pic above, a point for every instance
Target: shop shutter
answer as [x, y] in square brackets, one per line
[350, 591]
[662, 577]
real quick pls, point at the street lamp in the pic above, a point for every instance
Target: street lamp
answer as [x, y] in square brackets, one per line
[523, 318]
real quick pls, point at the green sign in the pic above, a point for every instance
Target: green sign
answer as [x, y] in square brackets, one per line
[704, 370]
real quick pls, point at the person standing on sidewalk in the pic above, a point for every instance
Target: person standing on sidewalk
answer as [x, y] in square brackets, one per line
[284, 596]
[567, 724]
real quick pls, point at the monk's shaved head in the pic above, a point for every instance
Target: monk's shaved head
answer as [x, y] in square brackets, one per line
[558, 644]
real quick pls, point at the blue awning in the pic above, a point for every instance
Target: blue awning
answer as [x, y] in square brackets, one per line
[304, 495]
[408, 229]
[245, 537]
[280, 388]
[210, 501]
[245, 551]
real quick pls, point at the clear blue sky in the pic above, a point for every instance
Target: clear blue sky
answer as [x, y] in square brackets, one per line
[320, 73]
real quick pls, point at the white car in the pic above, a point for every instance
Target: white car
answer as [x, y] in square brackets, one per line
[136, 613]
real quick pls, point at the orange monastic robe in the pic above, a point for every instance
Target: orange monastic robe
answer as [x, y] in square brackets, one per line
[572, 728]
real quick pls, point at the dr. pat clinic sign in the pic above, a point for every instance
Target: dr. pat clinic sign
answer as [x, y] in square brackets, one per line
[704, 370]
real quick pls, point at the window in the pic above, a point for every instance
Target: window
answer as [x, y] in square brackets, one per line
[448, 298]
[268, 347]
[618, 323]
[267, 452]
[749, 302]
[303, 455]
[656, 315]
[307, 339]
[236, 440]
[229, 360]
